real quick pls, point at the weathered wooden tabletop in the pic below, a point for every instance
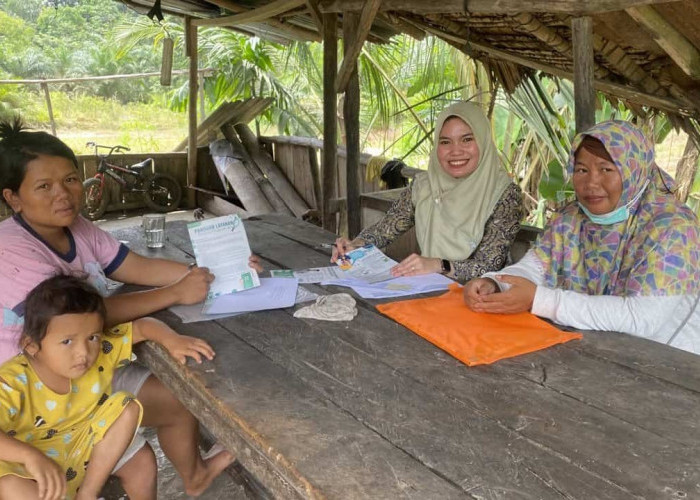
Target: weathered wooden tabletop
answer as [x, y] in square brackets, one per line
[367, 409]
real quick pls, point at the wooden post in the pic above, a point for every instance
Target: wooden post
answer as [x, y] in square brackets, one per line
[191, 48]
[330, 123]
[202, 112]
[45, 87]
[584, 92]
[351, 114]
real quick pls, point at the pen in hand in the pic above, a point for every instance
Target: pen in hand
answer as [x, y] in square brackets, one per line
[340, 255]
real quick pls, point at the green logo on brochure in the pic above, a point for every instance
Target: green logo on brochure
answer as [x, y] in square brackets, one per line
[247, 281]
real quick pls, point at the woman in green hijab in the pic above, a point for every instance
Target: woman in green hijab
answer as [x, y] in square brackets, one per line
[465, 208]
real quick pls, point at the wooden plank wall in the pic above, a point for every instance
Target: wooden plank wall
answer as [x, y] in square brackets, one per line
[295, 162]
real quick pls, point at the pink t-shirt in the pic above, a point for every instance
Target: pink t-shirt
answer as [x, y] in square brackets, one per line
[26, 260]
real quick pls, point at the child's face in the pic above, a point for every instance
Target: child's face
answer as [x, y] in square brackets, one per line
[71, 344]
[50, 194]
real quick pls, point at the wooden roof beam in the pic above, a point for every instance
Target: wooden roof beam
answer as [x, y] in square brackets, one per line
[402, 25]
[528, 23]
[676, 45]
[293, 31]
[491, 6]
[369, 11]
[622, 91]
[316, 14]
[260, 14]
[617, 59]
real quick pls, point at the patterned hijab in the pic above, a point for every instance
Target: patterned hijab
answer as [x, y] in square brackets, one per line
[451, 213]
[655, 251]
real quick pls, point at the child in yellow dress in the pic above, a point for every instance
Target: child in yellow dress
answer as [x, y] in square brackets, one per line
[63, 429]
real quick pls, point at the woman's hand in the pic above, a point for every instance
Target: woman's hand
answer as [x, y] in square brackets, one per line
[254, 262]
[50, 478]
[193, 286]
[517, 299]
[181, 346]
[476, 289]
[414, 265]
[343, 246]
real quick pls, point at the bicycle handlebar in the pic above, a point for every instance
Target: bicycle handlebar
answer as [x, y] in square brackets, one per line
[112, 149]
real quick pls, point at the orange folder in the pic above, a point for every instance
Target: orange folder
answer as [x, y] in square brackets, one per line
[471, 337]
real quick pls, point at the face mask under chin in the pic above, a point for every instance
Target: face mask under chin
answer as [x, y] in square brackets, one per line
[620, 214]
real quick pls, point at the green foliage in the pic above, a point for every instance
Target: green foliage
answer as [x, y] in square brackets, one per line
[553, 184]
[404, 85]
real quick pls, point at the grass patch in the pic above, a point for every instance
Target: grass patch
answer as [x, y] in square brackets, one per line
[142, 127]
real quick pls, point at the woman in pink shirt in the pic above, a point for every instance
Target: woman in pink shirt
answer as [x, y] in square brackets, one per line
[47, 236]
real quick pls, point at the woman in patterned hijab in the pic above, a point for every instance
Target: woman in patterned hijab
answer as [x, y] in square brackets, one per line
[623, 257]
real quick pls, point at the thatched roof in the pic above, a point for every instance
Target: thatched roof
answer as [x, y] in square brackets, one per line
[646, 52]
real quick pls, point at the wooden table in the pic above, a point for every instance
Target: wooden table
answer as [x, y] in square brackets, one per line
[367, 409]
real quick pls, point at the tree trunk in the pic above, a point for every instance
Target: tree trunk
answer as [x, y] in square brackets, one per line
[686, 169]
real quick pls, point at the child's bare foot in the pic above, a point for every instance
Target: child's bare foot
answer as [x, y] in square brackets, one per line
[205, 475]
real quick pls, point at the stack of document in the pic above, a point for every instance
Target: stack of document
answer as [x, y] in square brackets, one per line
[194, 313]
[366, 264]
[368, 272]
[396, 287]
[273, 293]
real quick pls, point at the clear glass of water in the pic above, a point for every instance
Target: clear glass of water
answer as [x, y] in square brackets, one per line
[154, 228]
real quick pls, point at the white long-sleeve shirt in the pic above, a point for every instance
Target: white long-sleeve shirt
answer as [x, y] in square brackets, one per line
[672, 320]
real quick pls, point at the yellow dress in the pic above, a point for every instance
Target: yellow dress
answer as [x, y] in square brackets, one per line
[64, 426]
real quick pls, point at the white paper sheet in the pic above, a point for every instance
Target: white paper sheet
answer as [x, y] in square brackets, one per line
[273, 293]
[221, 245]
[367, 264]
[396, 287]
[193, 313]
[312, 275]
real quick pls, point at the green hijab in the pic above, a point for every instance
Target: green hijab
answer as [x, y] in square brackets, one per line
[451, 213]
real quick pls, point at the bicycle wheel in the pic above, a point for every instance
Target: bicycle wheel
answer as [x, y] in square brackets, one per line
[94, 199]
[162, 192]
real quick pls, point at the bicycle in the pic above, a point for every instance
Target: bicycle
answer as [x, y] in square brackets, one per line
[160, 192]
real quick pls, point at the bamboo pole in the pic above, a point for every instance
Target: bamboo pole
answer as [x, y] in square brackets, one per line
[266, 187]
[330, 124]
[47, 95]
[277, 178]
[260, 14]
[166, 64]
[584, 92]
[351, 113]
[205, 71]
[243, 184]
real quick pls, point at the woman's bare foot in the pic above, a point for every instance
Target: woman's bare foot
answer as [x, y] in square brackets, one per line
[205, 475]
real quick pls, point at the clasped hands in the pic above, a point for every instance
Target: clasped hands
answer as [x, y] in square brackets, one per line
[483, 295]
